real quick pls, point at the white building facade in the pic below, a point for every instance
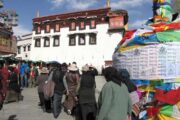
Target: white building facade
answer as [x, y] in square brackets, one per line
[24, 47]
[86, 37]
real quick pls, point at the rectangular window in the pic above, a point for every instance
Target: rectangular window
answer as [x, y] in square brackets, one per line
[47, 28]
[56, 41]
[24, 48]
[38, 30]
[29, 47]
[116, 22]
[92, 24]
[57, 28]
[38, 42]
[72, 40]
[73, 26]
[19, 49]
[82, 40]
[82, 25]
[46, 42]
[92, 39]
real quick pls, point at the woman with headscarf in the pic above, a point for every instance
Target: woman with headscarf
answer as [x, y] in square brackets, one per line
[114, 101]
[72, 79]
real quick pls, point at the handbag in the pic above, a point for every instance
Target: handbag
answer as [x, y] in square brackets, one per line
[48, 88]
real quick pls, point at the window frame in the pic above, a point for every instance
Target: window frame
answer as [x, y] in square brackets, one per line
[24, 48]
[79, 40]
[37, 40]
[90, 41]
[29, 47]
[55, 30]
[46, 39]
[91, 27]
[70, 38]
[19, 49]
[70, 27]
[38, 29]
[82, 28]
[46, 30]
[54, 38]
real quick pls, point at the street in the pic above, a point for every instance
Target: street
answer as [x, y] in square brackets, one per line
[28, 109]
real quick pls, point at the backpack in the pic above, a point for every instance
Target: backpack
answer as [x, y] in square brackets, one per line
[48, 88]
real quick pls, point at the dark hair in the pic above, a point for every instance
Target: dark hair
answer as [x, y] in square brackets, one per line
[125, 77]
[111, 74]
[11, 69]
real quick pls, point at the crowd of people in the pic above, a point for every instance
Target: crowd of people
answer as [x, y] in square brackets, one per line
[56, 80]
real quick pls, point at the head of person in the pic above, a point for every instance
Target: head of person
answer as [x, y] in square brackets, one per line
[64, 66]
[44, 70]
[11, 69]
[110, 73]
[73, 68]
[85, 68]
[125, 77]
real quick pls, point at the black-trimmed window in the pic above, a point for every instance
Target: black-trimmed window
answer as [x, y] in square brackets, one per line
[38, 29]
[56, 41]
[72, 26]
[19, 49]
[24, 48]
[47, 30]
[82, 25]
[46, 42]
[29, 47]
[92, 24]
[72, 40]
[92, 39]
[38, 42]
[82, 39]
[57, 27]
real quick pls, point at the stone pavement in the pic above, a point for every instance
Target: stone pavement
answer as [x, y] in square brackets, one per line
[28, 109]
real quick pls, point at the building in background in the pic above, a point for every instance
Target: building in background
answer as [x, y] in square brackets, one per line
[24, 47]
[87, 37]
[8, 19]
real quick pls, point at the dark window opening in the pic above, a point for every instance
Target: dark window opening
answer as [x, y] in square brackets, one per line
[72, 40]
[37, 43]
[56, 41]
[92, 39]
[82, 40]
[46, 42]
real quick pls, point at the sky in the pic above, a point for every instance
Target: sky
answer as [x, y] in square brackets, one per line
[138, 10]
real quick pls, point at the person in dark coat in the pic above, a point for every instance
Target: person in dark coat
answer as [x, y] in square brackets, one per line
[72, 79]
[86, 94]
[57, 77]
[13, 87]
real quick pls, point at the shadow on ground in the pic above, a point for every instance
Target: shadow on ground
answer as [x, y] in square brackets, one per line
[12, 117]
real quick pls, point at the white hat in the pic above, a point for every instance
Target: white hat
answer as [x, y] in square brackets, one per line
[85, 68]
[44, 70]
[13, 65]
[72, 67]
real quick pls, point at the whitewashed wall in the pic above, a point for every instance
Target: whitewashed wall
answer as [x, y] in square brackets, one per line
[82, 54]
[24, 41]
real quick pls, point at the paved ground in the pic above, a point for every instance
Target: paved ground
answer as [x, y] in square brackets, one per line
[28, 109]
